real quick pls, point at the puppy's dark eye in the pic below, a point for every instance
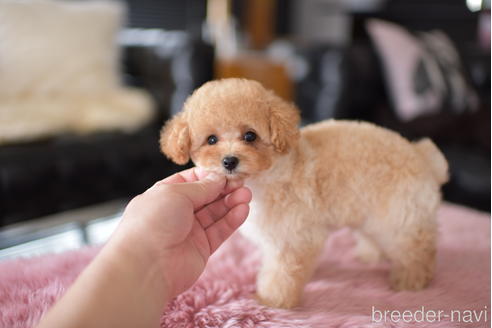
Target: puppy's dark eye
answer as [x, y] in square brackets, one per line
[249, 136]
[212, 140]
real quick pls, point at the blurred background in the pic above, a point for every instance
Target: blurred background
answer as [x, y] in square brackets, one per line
[85, 87]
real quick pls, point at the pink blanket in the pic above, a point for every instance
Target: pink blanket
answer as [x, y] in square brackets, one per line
[342, 293]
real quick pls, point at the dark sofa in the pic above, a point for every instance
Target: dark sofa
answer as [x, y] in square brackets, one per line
[356, 89]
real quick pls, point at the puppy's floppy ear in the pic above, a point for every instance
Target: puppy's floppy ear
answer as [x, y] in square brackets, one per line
[175, 139]
[284, 120]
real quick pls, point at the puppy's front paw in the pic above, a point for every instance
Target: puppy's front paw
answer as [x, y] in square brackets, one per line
[277, 301]
[278, 289]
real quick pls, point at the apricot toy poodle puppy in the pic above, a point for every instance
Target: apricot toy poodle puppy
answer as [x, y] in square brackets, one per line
[309, 182]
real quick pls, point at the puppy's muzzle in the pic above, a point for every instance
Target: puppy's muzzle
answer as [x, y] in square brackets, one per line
[230, 162]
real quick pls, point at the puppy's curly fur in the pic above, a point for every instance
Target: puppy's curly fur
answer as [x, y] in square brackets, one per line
[308, 182]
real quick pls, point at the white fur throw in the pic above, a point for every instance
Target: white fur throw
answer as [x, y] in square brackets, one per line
[60, 73]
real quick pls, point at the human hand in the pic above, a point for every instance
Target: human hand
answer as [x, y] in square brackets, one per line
[180, 221]
[159, 249]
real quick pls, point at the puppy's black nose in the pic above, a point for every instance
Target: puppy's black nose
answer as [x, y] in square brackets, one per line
[230, 162]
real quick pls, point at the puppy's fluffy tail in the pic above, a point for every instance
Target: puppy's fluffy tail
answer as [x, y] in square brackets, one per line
[434, 158]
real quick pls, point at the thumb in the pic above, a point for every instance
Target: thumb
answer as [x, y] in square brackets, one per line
[201, 192]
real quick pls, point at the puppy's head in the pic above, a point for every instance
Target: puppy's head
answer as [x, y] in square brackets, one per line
[231, 126]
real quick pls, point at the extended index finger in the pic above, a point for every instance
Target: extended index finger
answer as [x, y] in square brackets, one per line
[195, 174]
[188, 175]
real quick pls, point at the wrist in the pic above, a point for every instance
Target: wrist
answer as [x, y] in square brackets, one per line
[141, 265]
[118, 289]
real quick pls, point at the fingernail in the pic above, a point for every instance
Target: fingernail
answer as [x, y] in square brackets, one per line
[201, 173]
[213, 177]
[235, 184]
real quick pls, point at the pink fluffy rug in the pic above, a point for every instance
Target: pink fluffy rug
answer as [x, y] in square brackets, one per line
[342, 293]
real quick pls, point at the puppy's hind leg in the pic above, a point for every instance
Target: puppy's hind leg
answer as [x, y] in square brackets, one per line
[411, 248]
[413, 260]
